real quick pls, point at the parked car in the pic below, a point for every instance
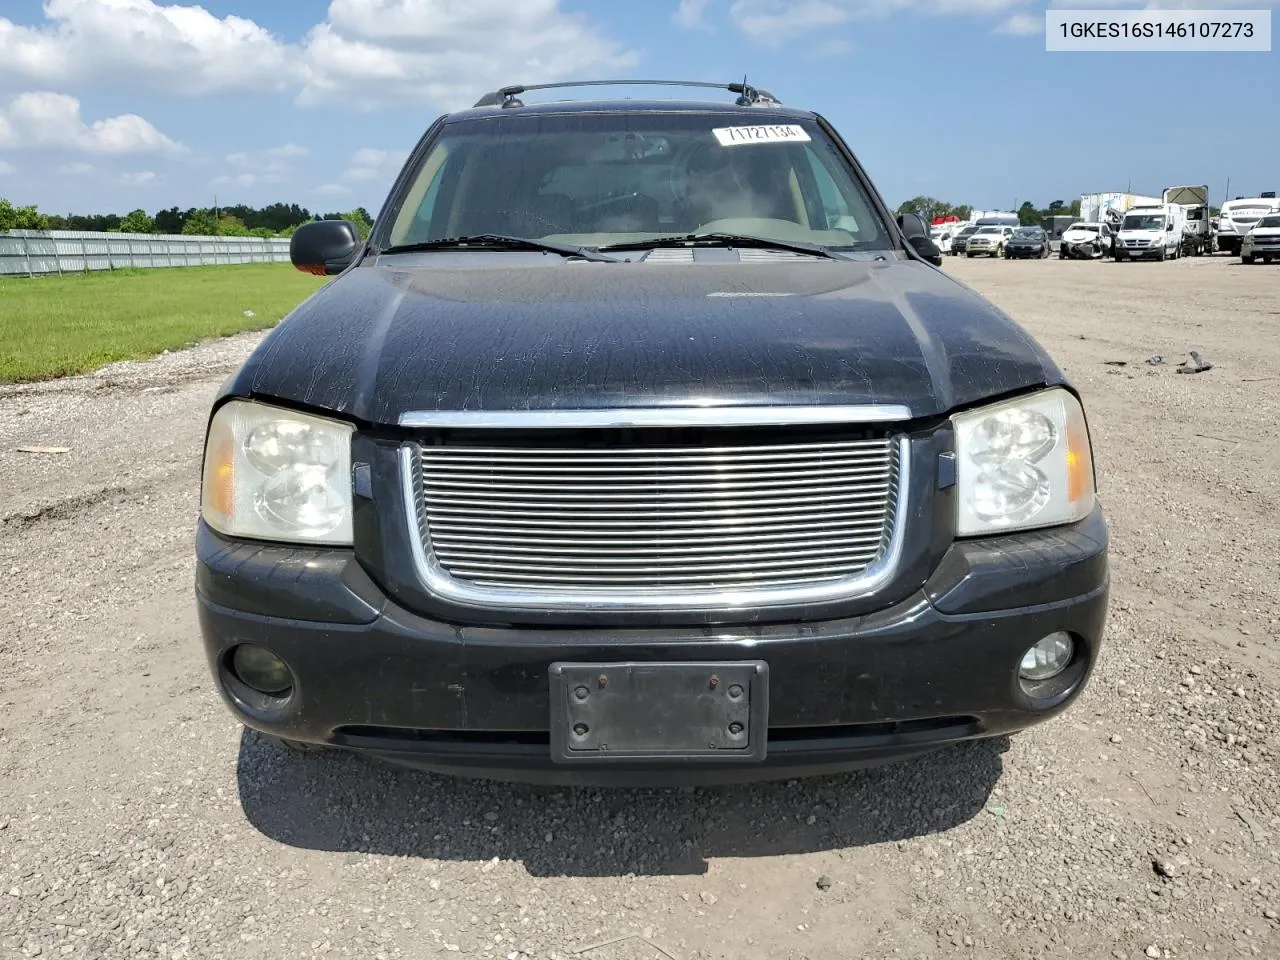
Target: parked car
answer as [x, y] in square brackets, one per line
[989, 240]
[1027, 242]
[1087, 241]
[961, 239]
[570, 476]
[1262, 242]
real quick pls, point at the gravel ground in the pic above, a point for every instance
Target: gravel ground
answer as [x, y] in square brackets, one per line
[137, 820]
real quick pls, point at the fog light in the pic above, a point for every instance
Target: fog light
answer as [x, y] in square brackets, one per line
[1048, 658]
[259, 668]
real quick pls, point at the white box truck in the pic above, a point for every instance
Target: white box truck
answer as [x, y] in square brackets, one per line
[1153, 232]
[1197, 237]
[1110, 207]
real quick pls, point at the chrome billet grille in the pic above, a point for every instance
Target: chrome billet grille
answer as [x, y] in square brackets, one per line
[655, 520]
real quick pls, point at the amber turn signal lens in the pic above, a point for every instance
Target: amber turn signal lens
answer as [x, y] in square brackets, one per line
[1079, 459]
[219, 474]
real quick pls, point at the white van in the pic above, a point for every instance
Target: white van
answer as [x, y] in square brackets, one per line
[1154, 232]
[1237, 218]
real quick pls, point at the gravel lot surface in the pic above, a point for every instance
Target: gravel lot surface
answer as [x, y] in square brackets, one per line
[137, 820]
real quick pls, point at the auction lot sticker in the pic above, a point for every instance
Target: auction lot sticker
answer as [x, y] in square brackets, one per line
[768, 133]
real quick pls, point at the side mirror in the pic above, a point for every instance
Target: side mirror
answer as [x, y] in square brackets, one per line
[324, 247]
[917, 235]
[912, 226]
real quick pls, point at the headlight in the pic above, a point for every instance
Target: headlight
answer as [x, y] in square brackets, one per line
[1023, 463]
[273, 474]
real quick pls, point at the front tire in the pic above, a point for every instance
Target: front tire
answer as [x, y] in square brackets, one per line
[1247, 258]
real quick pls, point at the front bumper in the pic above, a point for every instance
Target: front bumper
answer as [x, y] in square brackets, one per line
[1139, 253]
[1036, 251]
[934, 668]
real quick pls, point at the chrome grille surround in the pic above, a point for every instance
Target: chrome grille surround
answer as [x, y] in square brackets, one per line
[535, 527]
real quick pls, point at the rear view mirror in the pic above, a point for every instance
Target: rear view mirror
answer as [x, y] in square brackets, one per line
[324, 247]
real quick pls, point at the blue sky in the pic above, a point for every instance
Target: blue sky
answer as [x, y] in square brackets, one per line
[108, 105]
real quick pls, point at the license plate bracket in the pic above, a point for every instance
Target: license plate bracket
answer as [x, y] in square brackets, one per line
[636, 711]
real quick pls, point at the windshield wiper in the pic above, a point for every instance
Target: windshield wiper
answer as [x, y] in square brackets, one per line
[726, 240]
[496, 241]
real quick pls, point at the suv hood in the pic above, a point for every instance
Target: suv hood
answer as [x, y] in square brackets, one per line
[383, 340]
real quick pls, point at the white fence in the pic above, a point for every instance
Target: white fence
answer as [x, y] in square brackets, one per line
[30, 253]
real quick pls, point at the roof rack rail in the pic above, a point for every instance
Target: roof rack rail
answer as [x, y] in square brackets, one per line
[506, 96]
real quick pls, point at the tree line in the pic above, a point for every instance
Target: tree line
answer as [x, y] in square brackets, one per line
[238, 220]
[1029, 214]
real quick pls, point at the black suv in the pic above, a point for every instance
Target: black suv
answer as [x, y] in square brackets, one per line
[640, 442]
[1027, 242]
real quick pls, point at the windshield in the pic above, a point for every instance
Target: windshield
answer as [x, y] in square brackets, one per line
[991, 230]
[1269, 222]
[1027, 233]
[596, 179]
[1085, 227]
[1144, 221]
[967, 232]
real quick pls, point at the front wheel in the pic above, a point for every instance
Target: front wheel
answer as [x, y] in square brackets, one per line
[1246, 258]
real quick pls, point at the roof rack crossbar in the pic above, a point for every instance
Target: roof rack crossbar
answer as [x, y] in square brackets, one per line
[506, 96]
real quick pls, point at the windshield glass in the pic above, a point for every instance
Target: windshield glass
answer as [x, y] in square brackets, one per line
[1086, 227]
[1269, 222]
[991, 230]
[967, 232]
[595, 179]
[1027, 233]
[1143, 221]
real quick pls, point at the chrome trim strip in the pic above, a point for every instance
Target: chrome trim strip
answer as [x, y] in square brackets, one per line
[690, 416]
[438, 582]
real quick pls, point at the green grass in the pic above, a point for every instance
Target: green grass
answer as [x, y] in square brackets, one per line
[55, 326]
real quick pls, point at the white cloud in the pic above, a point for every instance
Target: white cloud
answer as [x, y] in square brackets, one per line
[447, 52]
[333, 190]
[142, 44]
[271, 165]
[690, 13]
[1165, 4]
[139, 178]
[776, 21]
[238, 180]
[7, 169]
[370, 163]
[1022, 24]
[53, 120]
[365, 52]
[288, 150]
[76, 169]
